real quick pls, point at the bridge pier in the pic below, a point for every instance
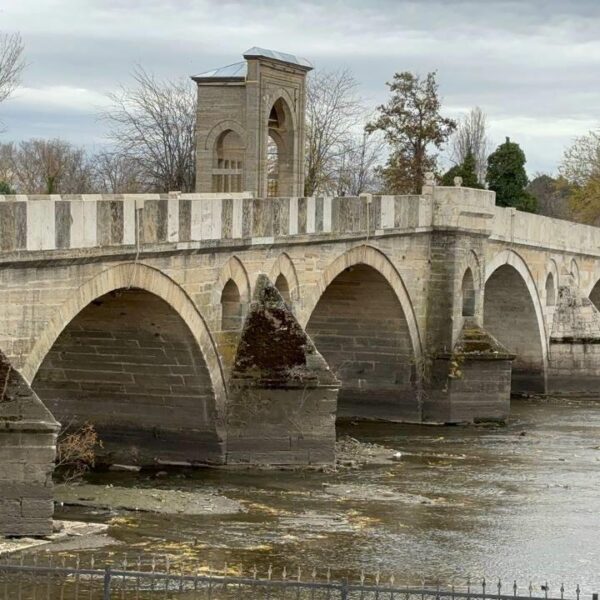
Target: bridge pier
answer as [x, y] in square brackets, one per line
[282, 395]
[574, 356]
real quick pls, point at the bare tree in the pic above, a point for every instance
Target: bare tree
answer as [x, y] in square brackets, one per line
[116, 173]
[46, 167]
[471, 138]
[358, 165]
[332, 111]
[153, 124]
[581, 160]
[11, 63]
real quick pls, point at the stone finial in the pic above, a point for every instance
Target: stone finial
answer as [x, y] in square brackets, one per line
[429, 178]
[458, 181]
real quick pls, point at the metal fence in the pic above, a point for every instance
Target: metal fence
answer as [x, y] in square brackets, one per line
[31, 579]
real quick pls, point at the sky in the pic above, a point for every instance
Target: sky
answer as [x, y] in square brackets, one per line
[533, 66]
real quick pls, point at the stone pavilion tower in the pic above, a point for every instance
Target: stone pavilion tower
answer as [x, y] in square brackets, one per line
[250, 125]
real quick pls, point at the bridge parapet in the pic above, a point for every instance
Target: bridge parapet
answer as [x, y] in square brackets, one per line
[177, 221]
[34, 223]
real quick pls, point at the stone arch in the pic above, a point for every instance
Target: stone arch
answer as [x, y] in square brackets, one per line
[220, 128]
[594, 294]
[468, 294]
[513, 314]
[372, 257]
[281, 129]
[228, 315]
[362, 322]
[574, 272]
[118, 345]
[283, 266]
[233, 269]
[231, 307]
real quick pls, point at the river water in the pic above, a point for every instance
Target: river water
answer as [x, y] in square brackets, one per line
[516, 502]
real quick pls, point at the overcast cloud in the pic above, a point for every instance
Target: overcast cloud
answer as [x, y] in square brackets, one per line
[533, 66]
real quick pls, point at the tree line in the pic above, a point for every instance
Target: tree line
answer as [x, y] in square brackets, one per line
[349, 148]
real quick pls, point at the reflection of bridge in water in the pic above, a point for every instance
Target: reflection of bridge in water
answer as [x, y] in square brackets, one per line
[127, 312]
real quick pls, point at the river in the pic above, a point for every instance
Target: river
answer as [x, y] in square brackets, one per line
[515, 502]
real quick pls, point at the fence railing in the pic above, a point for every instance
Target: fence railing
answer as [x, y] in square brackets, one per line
[33, 580]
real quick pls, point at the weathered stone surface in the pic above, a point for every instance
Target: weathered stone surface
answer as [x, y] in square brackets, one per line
[282, 401]
[28, 437]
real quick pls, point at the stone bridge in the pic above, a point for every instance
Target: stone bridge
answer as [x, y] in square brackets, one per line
[127, 311]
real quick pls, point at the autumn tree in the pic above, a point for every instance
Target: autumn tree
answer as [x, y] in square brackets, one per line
[466, 170]
[580, 166]
[412, 126]
[507, 177]
[581, 160]
[333, 109]
[153, 124]
[470, 138]
[552, 195]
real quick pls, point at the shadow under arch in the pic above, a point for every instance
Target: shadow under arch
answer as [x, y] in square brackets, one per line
[362, 321]
[162, 321]
[513, 313]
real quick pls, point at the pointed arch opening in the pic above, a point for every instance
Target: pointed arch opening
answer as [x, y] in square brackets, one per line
[360, 327]
[595, 295]
[282, 285]
[281, 137]
[510, 315]
[231, 307]
[468, 294]
[129, 364]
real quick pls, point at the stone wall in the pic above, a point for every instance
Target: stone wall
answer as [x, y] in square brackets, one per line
[282, 402]
[360, 328]
[27, 441]
[129, 365]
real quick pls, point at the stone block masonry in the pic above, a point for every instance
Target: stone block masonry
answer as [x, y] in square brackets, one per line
[282, 404]
[27, 446]
[129, 312]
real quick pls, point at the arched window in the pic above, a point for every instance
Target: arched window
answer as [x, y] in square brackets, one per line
[272, 167]
[468, 295]
[231, 307]
[550, 290]
[228, 163]
[281, 283]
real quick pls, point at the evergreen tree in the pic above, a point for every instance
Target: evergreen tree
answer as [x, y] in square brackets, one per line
[507, 177]
[5, 189]
[467, 170]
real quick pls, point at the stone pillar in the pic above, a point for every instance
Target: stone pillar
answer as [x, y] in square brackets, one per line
[574, 354]
[462, 362]
[475, 378]
[282, 395]
[27, 447]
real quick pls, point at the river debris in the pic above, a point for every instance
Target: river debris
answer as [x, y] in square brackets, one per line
[352, 454]
[147, 500]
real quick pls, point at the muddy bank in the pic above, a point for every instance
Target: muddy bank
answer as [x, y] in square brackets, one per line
[168, 502]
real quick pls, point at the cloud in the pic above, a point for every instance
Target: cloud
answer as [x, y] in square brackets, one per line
[532, 65]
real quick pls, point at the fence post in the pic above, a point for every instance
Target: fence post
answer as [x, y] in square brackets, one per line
[107, 579]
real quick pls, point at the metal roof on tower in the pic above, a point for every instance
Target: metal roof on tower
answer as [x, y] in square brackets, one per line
[239, 70]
